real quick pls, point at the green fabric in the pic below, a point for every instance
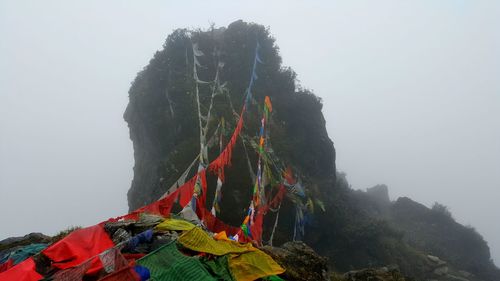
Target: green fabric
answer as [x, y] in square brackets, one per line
[273, 278]
[219, 268]
[167, 263]
[26, 252]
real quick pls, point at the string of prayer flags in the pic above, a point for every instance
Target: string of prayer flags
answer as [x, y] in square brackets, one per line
[253, 75]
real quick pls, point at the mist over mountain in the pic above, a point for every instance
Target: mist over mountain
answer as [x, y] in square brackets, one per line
[409, 92]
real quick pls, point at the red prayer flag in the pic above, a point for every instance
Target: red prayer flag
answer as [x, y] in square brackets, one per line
[6, 265]
[24, 271]
[74, 273]
[125, 274]
[79, 246]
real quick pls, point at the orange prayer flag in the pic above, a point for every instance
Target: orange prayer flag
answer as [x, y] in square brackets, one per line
[221, 236]
[268, 103]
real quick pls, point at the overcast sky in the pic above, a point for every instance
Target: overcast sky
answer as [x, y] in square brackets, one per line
[411, 95]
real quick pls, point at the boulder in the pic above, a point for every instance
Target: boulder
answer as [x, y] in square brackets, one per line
[300, 261]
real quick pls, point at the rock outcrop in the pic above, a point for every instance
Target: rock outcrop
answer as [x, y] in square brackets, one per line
[163, 117]
[301, 262]
[353, 229]
[13, 243]
[374, 274]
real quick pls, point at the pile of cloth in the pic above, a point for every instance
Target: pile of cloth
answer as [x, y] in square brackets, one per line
[150, 248]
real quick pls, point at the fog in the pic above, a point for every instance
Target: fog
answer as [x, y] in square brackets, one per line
[410, 89]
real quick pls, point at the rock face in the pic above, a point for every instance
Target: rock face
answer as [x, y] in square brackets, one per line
[435, 231]
[379, 193]
[448, 245]
[300, 261]
[163, 119]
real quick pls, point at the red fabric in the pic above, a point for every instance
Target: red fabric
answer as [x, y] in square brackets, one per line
[224, 159]
[213, 223]
[256, 228]
[276, 199]
[203, 176]
[24, 271]
[216, 225]
[125, 274]
[79, 246]
[288, 174]
[186, 191]
[74, 273]
[163, 206]
[133, 257]
[6, 265]
[113, 260]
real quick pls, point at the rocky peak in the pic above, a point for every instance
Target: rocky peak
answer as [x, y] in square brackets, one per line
[380, 193]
